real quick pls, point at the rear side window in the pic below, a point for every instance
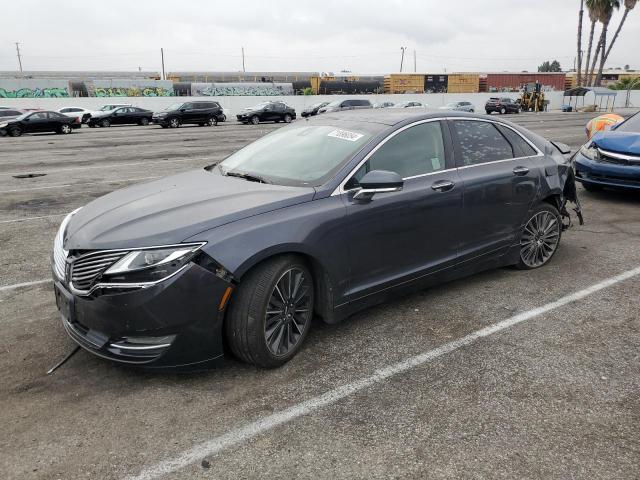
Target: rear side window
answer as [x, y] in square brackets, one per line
[414, 151]
[9, 113]
[480, 142]
[346, 103]
[520, 146]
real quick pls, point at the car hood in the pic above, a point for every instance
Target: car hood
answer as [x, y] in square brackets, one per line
[172, 209]
[622, 142]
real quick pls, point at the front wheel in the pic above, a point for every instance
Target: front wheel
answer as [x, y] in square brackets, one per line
[540, 237]
[503, 111]
[488, 112]
[288, 118]
[174, 123]
[270, 314]
[105, 123]
[15, 132]
[255, 120]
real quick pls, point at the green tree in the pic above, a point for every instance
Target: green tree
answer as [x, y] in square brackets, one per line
[547, 66]
[593, 8]
[627, 84]
[579, 56]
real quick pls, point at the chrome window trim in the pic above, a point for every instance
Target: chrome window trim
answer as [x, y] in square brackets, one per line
[339, 190]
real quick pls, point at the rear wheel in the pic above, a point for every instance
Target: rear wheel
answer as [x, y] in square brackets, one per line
[212, 121]
[174, 123]
[144, 121]
[540, 237]
[271, 312]
[15, 132]
[65, 129]
[255, 120]
[503, 111]
[105, 123]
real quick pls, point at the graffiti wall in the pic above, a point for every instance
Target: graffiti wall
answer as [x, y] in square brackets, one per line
[130, 88]
[31, 88]
[241, 89]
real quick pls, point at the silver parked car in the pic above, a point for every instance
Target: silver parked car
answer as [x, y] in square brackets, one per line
[340, 105]
[459, 106]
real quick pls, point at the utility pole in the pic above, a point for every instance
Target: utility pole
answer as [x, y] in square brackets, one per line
[242, 59]
[402, 57]
[19, 58]
[162, 56]
[415, 65]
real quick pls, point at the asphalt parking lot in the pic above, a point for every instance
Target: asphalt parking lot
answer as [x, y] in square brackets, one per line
[550, 392]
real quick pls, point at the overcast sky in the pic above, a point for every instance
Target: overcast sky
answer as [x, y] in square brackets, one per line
[324, 35]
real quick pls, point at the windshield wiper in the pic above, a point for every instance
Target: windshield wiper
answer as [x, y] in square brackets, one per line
[246, 176]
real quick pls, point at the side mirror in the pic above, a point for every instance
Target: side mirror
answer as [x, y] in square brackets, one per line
[564, 148]
[378, 181]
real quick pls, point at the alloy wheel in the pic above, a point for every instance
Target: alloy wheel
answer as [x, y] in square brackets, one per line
[288, 312]
[174, 123]
[212, 121]
[255, 120]
[540, 239]
[65, 129]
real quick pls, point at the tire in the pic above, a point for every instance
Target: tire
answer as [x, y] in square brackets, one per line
[92, 125]
[144, 121]
[592, 187]
[254, 329]
[173, 123]
[105, 123]
[503, 111]
[488, 112]
[212, 122]
[472, 111]
[287, 118]
[15, 132]
[222, 118]
[65, 129]
[255, 120]
[540, 237]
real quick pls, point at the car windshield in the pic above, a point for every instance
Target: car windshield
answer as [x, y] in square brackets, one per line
[259, 106]
[452, 104]
[175, 106]
[106, 108]
[300, 156]
[335, 103]
[631, 124]
[23, 116]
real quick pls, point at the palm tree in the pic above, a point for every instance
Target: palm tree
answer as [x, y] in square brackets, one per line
[604, 12]
[579, 64]
[628, 6]
[593, 8]
[605, 19]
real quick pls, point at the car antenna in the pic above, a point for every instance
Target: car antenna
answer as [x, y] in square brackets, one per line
[63, 361]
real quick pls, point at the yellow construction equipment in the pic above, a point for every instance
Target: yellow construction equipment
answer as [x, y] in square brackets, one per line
[532, 98]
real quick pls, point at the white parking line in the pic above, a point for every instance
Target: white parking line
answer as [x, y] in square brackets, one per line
[5, 288]
[78, 184]
[262, 425]
[27, 219]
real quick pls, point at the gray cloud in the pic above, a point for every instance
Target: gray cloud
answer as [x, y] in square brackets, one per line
[283, 35]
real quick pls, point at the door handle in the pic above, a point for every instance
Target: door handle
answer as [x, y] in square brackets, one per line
[443, 185]
[520, 171]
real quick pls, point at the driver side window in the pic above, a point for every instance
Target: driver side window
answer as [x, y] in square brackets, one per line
[415, 151]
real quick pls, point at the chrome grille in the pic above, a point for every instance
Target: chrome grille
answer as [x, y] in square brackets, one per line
[86, 269]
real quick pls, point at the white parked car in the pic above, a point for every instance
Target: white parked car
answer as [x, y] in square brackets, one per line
[459, 106]
[82, 114]
[410, 105]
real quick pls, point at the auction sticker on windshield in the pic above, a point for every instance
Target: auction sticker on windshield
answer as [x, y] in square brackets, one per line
[345, 135]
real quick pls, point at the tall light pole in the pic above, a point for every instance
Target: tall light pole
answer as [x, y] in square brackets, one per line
[402, 57]
[162, 56]
[415, 64]
[19, 58]
[242, 59]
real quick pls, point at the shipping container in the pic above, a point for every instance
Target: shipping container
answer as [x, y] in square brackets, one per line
[404, 83]
[513, 82]
[463, 83]
[436, 83]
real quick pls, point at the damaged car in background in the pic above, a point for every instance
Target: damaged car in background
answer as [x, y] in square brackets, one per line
[318, 219]
[611, 158]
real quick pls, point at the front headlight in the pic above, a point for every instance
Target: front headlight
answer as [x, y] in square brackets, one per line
[160, 114]
[152, 264]
[590, 151]
[59, 252]
[2, 125]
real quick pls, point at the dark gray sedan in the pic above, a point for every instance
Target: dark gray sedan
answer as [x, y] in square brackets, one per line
[319, 219]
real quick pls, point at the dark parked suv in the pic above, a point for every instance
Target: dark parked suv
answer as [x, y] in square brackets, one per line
[199, 113]
[501, 105]
[267, 112]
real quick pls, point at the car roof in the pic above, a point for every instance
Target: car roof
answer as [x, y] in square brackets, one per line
[388, 117]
